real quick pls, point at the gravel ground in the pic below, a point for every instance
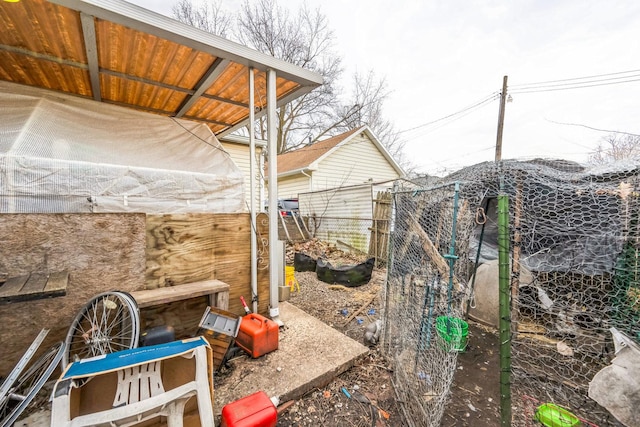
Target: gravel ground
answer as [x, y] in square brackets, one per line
[368, 381]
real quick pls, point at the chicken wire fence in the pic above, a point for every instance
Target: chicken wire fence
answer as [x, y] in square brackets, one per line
[574, 243]
[423, 298]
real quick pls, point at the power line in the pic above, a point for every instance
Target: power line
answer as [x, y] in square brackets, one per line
[451, 120]
[575, 86]
[489, 98]
[596, 129]
[574, 78]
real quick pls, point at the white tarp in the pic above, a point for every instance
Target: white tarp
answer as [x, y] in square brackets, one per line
[62, 153]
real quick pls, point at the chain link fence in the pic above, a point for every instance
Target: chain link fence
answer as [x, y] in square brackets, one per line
[342, 231]
[574, 244]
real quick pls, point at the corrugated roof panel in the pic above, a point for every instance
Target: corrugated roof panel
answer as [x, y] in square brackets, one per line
[283, 86]
[143, 55]
[229, 82]
[140, 94]
[222, 111]
[28, 70]
[140, 57]
[29, 25]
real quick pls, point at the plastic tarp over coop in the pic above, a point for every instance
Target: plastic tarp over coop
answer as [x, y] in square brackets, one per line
[64, 154]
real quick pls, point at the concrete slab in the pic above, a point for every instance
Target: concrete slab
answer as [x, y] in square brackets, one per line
[310, 354]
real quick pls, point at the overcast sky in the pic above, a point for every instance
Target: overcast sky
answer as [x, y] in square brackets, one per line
[442, 57]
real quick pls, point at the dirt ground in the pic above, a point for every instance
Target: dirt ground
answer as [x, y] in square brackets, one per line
[475, 396]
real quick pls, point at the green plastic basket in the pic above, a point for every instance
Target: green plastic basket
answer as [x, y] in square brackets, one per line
[453, 333]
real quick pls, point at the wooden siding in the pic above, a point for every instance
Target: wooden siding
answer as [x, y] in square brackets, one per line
[239, 153]
[355, 162]
[292, 186]
[192, 247]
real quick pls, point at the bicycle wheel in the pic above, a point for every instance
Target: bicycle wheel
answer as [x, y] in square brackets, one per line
[107, 323]
[28, 384]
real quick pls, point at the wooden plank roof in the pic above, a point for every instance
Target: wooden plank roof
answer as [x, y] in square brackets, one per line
[119, 53]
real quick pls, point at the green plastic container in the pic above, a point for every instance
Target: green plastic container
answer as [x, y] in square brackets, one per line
[453, 333]
[551, 415]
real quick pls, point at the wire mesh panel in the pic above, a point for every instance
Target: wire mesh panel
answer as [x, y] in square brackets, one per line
[574, 250]
[424, 297]
[573, 238]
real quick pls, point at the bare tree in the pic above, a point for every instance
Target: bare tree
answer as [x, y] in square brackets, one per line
[303, 39]
[366, 107]
[616, 146]
[208, 17]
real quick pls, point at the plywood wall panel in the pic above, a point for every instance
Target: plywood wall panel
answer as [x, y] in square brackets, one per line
[192, 247]
[102, 252]
[127, 252]
[179, 249]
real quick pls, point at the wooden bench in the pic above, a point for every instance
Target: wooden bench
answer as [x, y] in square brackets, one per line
[217, 291]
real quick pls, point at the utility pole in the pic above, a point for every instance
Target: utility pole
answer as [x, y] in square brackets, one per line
[503, 100]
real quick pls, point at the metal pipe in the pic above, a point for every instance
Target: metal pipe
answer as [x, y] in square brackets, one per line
[252, 193]
[272, 146]
[451, 256]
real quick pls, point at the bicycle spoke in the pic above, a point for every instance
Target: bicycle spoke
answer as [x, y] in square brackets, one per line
[106, 324]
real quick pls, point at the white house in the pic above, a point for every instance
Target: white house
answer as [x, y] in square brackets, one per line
[352, 158]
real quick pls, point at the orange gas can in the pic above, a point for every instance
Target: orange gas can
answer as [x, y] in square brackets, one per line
[255, 410]
[257, 335]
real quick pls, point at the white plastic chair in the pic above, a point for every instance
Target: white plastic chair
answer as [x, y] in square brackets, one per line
[141, 396]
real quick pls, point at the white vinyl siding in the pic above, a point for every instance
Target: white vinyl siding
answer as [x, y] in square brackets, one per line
[239, 153]
[290, 187]
[356, 162]
[346, 202]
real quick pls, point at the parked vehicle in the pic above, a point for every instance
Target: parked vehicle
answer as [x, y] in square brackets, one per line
[287, 207]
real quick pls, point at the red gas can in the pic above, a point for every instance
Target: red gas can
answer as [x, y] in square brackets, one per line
[257, 335]
[255, 410]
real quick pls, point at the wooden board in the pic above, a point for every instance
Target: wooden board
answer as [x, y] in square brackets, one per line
[57, 282]
[13, 286]
[179, 249]
[184, 316]
[151, 297]
[34, 286]
[219, 343]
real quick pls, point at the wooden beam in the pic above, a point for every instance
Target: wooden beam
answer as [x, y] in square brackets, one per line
[440, 263]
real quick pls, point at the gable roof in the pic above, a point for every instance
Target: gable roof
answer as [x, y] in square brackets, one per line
[304, 157]
[309, 157]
